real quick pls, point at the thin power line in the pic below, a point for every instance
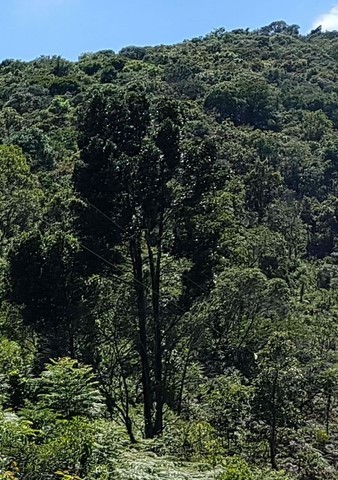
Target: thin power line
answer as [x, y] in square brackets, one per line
[129, 237]
[141, 283]
[134, 278]
[83, 246]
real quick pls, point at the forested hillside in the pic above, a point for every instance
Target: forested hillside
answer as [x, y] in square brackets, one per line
[169, 261]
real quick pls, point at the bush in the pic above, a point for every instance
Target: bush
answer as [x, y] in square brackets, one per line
[70, 389]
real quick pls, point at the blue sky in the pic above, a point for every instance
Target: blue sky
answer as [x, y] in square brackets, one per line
[30, 28]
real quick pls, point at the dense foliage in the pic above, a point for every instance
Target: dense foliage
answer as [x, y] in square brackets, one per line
[169, 261]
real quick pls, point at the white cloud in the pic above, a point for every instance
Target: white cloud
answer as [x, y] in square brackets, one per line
[329, 20]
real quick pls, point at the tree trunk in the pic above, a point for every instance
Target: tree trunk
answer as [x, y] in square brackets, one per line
[273, 426]
[273, 448]
[155, 271]
[328, 410]
[129, 427]
[183, 379]
[135, 248]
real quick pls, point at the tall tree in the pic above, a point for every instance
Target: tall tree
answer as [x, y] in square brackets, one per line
[131, 160]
